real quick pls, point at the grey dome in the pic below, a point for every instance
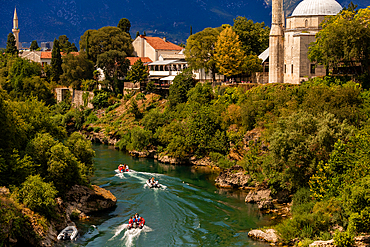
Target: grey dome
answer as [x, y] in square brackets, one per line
[317, 7]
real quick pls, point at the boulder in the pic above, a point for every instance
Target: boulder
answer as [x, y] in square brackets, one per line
[261, 197]
[89, 200]
[235, 177]
[322, 243]
[268, 235]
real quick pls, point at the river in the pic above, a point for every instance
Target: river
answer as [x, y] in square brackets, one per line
[188, 211]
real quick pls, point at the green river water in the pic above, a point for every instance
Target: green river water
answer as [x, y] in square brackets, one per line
[188, 211]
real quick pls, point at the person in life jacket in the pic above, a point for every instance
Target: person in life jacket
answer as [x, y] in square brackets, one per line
[120, 167]
[126, 168]
[141, 222]
[130, 222]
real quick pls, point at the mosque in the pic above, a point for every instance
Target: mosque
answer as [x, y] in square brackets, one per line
[286, 59]
[15, 29]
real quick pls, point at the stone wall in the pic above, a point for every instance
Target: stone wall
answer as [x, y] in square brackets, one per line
[77, 96]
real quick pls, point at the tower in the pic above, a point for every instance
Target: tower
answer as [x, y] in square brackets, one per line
[15, 29]
[276, 56]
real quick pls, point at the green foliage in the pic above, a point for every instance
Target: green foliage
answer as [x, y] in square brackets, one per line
[179, 88]
[134, 109]
[153, 120]
[34, 46]
[333, 49]
[12, 221]
[104, 40]
[200, 50]
[76, 69]
[92, 118]
[138, 72]
[140, 139]
[201, 93]
[253, 36]
[100, 99]
[38, 195]
[343, 239]
[65, 45]
[82, 150]
[11, 47]
[150, 87]
[299, 142]
[97, 129]
[125, 25]
[56, 62]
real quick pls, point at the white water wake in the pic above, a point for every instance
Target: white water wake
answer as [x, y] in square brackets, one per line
[130, 235]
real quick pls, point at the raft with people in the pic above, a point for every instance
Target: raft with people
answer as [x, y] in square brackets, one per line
[123, 168]
[152, 183]
[136, 222]
[68, 233]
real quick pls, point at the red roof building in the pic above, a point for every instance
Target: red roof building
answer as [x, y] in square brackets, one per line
[153, 47]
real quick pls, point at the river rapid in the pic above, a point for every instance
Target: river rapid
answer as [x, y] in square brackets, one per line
[187, 211]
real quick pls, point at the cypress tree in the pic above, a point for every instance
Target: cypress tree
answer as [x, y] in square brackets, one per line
[11, 47]
[137, 34]
[34, 46]
[56, 61]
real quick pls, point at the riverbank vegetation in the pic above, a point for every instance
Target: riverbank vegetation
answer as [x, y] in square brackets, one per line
[38, 161]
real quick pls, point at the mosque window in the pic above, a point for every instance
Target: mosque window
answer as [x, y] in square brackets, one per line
[291, 71]
[284, 68]
[312, 68]
[306, 23]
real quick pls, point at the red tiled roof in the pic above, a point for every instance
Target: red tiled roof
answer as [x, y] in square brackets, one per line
[143, 59]
[47, 54]
[159, 44]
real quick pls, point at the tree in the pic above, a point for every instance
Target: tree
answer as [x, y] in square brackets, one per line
[252, 64]
[11, 47]
[138, 72]
[34, 46]
[115, 66]
[76, 69]
[200, 50]
[137, 34]
[150, 87]
[229, 55]
[56, 62]
[180, 87]
[65, 45]
[343, 41]
[106, 39]
[38, 195]
[125, 25]
[253, 36]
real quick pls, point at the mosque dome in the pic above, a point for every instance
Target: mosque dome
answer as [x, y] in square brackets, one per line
[317, 7]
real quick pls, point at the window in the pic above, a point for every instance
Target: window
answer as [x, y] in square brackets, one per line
[291, 71]
[306, 23]
[284, 68]
[312, 68]
[266, 68]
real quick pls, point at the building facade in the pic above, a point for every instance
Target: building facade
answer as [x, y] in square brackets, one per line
[287, 60]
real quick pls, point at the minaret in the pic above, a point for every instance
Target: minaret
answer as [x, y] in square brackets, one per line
[15, 29]
[276, 46]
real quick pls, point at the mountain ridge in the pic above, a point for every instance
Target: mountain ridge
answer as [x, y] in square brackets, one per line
[45, 20]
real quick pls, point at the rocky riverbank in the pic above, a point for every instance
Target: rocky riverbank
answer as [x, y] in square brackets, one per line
[80, 202]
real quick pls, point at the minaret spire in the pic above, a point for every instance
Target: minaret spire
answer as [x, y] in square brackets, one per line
[276, 43]
[15, 29]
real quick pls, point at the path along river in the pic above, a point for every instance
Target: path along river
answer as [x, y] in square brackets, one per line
[188, 211]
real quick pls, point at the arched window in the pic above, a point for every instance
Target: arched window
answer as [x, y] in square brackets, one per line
[306, 23]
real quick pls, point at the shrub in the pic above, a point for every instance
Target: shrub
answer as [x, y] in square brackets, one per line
[97, 129]
[100, 100]
[38, 195]
[343, 239]
[92, 118]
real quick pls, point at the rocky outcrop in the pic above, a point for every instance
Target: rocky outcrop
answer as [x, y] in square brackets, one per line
[81, 199]
[262, 197]
[100, 137]
[322, 243]
[143, 154]
[362, 241]
[253, 137]
[268, 235]
[205, 161]
[234, 177]
[171, 160]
